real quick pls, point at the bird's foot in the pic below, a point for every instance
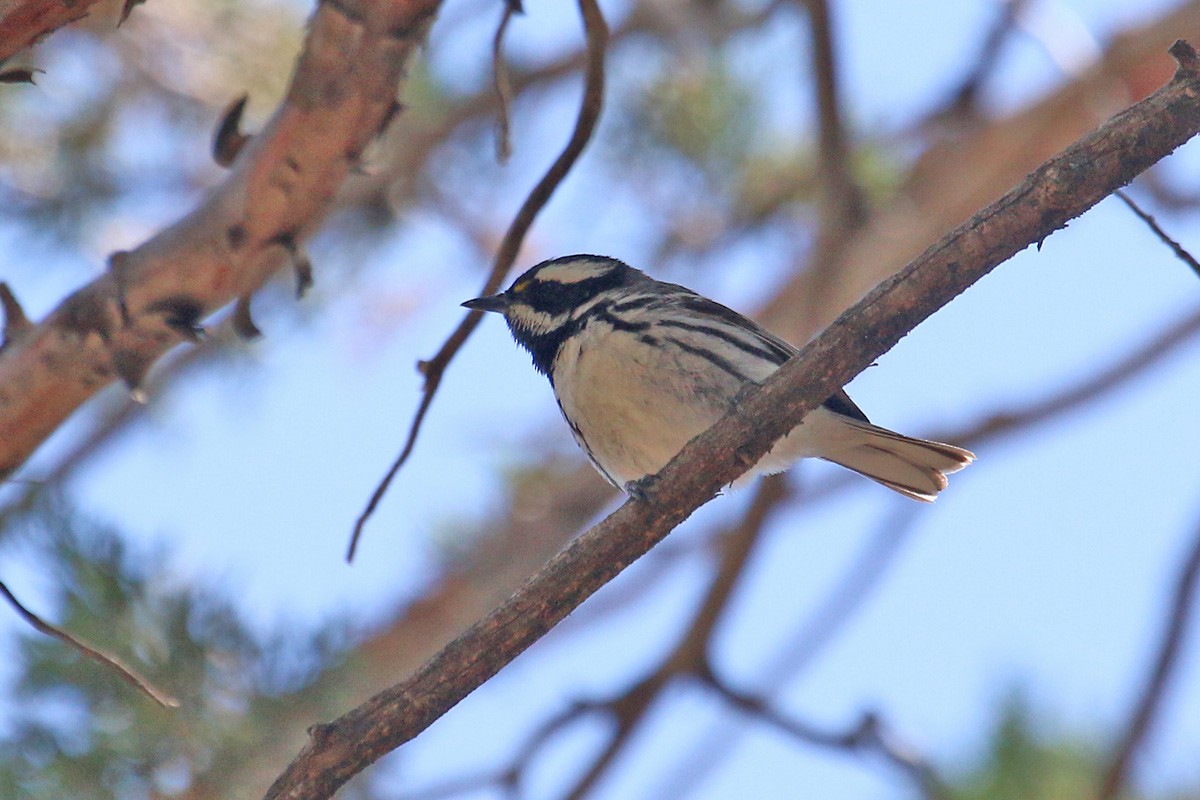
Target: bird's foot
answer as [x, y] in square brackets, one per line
[640, 489]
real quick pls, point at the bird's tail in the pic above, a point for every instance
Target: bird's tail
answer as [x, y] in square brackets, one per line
[915, 468]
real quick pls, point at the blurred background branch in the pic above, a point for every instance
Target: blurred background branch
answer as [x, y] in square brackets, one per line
[1154, 686]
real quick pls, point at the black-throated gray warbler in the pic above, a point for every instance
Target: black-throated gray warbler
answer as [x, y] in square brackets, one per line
[639, 367]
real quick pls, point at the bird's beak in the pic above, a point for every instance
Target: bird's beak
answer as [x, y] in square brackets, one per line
[495, 302]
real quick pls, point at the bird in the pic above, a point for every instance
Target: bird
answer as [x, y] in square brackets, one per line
[640, 366]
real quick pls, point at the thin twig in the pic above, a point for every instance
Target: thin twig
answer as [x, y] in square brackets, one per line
[1141, 720]
[1166, 195]
[503, 86]
[876, 556]
[881, 551]
[596, 31]
[1182, 254]
[15, 321]
[965, 98]
[125, 673]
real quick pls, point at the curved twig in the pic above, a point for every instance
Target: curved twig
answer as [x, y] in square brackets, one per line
[596, 31]
[509, 777]
[123, 672]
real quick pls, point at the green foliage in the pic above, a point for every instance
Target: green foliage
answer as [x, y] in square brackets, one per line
[692, 116]
[1022, 762]
[1023, 759]
[79, 731]
[699, 112]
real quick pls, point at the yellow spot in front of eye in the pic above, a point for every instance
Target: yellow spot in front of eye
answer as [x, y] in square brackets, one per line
[520, 288]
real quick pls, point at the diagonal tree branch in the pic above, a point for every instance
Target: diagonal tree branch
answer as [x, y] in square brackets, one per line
[343, 93]
[1062, 188]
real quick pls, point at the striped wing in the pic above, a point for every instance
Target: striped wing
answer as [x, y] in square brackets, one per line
[743, 335]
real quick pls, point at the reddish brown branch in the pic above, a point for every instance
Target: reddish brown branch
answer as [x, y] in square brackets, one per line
[1059, 190]
[596, 31]
[25, 22]
[1141, 720]
[342, 93]
[962, 171]
[853, 588]
[110, 661]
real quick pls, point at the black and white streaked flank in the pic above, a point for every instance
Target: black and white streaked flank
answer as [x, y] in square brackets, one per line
[639, 367]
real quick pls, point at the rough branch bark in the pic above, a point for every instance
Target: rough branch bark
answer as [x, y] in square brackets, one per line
[343, 93]
[1059, 190]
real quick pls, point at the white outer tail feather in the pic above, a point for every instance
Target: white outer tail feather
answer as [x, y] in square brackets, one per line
[915, 468]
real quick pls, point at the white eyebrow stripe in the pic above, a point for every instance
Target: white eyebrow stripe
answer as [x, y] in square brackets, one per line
[574, 272]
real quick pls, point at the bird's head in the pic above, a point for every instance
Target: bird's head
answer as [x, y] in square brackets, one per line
[548, 302]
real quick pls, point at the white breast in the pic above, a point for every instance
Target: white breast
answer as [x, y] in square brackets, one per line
[633, 405]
